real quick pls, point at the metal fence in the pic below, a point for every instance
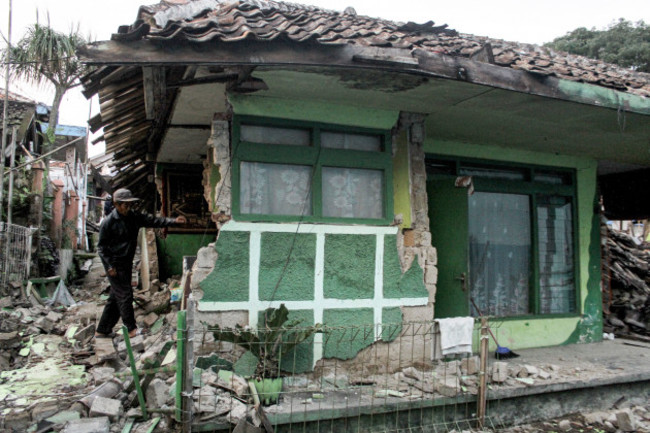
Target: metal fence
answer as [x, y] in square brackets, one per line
[15, 253]
[338, 379]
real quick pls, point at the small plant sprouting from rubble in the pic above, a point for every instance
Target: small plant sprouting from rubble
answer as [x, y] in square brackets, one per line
[276, 337]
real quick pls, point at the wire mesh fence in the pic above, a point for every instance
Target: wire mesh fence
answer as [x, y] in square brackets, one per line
[15, 254]
[366, 378]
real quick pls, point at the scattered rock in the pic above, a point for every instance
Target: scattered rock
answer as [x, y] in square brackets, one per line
[137, 345]
[88, 425]
[108, 407]
[102, 374]
[150, 319]
[470, 366]
[157, 393]
[44, 410]
[528, 370]
[564, 425]
[625, 421]
[17, 420]
[499, 372]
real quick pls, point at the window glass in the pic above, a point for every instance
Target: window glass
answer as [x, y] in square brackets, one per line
[440, 167]
[275, 189]
[340, 140]
[499, 253]
[493, 172]
[353, 193]
[554, 177]
[274, 135]
[555, 248]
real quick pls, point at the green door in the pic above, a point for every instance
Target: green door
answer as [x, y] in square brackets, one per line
[448, 224]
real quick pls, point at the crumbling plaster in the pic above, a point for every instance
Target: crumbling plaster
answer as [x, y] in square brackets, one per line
[413, 242]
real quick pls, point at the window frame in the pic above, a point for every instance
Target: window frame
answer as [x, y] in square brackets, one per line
[532, 189]
[316, 157]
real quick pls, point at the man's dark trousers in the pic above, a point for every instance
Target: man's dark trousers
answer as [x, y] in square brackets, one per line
[120, 302]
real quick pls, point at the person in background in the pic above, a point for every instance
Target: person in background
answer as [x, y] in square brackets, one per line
[118, 236]
[108, 205]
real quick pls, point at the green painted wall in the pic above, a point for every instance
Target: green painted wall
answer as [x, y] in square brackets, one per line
[392, 320]
[313, 111]
[410, 284]
[349, 339]
[539, 332]
[172, 249]
[349, 267]
[228, 282]
[402, 181]
[288, 280]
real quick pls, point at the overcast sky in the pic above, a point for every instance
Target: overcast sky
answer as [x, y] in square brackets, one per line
[531, 21]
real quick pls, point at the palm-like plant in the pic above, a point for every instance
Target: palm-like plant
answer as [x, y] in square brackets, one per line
[46, 55]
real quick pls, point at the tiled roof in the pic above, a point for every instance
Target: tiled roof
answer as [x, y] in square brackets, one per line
[211, 21]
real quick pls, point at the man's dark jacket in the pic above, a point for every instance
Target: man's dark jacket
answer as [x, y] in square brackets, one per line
[118, 236]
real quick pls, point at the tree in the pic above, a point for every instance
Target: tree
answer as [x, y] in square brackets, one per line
[46, 55]
[623, 43]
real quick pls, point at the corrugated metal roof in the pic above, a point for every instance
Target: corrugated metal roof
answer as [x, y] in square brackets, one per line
[66, 130]
[203, 21]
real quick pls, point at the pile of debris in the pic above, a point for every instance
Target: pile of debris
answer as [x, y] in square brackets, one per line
[55, 376]
[626, 285]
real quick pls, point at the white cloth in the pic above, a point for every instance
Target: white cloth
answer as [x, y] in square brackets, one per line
[456, 335]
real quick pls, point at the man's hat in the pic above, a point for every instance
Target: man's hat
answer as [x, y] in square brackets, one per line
[123, 195]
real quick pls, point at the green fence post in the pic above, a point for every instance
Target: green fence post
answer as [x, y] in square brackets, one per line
[134, 372]
[180, 368]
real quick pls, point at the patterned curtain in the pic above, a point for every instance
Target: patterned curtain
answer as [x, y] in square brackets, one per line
[352, 193]
[275, 189]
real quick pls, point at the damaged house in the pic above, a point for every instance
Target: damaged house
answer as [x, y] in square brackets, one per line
[364, 171]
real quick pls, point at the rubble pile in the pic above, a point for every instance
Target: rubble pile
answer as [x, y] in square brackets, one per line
[626, 285]
[56, 376]
[628, 419]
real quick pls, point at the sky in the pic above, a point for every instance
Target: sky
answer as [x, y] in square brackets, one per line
[530, 21]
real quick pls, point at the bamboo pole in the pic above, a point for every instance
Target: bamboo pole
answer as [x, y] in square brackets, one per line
[4, 114]
[189, 365]
[482, 388]
[12, 162]
[181, 374]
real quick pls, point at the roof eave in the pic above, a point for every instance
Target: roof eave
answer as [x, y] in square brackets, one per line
[418, 61]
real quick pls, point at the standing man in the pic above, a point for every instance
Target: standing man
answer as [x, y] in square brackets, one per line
[118, 236]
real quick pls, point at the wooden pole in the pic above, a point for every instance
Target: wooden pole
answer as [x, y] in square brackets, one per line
[189, 365]
[482, 388]
[12, 162]
[4, 114]
[181, 373]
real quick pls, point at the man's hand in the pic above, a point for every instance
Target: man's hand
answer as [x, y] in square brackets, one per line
[111, 272]
[181, 220]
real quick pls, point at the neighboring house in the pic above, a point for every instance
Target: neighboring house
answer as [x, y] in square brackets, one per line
[366, 171]
[66, 174]
[20, 114]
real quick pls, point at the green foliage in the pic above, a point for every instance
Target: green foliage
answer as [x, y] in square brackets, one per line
[276, 337]
[46, 54]
[22, 194]
[623, 43]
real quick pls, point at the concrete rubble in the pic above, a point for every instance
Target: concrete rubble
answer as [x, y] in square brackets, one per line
[55, 376]
[54, 373]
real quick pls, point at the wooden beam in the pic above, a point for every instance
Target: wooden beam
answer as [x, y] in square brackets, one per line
[154, 90]
[281, 53]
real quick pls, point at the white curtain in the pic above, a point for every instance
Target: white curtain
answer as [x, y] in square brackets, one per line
[275, 189]
[352, 193]
[499, 250]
